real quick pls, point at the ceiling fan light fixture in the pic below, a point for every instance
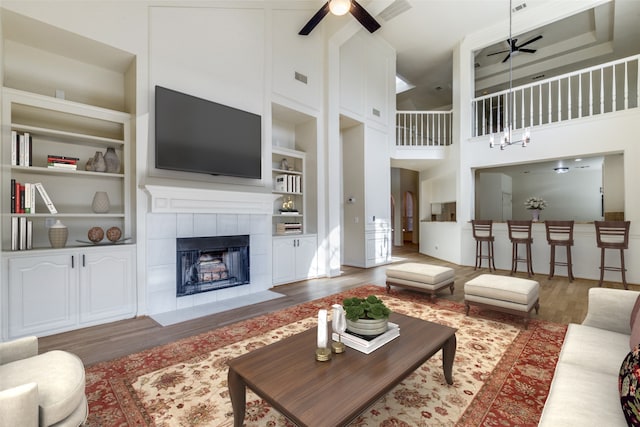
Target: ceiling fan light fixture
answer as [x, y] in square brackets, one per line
[339, 7]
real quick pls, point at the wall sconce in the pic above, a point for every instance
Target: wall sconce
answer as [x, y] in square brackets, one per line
[436, 208]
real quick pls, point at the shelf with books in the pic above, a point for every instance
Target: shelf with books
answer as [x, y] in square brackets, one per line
[288, 181]
[60, 138]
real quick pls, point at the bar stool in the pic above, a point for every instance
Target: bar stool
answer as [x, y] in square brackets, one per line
[612, 235]
[560, 233]
[483, 232]
[520, 233]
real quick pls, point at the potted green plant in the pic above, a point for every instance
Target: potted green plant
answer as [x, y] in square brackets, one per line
[366, 316]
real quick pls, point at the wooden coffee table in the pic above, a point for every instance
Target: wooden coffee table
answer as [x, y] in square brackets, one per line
[333, 393]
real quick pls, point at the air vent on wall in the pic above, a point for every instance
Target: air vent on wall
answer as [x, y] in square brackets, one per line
[300, 77]
[519, 7]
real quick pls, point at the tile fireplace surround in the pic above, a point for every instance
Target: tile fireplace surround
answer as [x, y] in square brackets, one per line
[177, 212]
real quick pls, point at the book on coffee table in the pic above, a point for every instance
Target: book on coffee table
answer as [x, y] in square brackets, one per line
[368, 344]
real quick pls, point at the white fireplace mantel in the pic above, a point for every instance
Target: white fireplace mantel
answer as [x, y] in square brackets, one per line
[166, 199]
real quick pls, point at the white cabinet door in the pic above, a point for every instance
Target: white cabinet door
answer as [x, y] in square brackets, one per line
[306, 260]
[106, 286]
[378, 248]
[283, 260]
[42, 294]
[294, 258]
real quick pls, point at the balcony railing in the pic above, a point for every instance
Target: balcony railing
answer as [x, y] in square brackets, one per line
[589, 92]
[423, 128]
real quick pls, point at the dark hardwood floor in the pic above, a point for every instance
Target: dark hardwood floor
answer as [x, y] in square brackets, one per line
[560, 301]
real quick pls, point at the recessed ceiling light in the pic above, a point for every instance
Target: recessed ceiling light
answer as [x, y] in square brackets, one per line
[562, 169]
[577, 160]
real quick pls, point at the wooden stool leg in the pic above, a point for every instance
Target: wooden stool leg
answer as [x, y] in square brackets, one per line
[624, 276]
[514, 256]
[552, 261]
[569, 264]
[493, 262]
[529, 261]
[601, 266]
[477, 254]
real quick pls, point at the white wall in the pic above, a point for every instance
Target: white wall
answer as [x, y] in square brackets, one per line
[573, 195]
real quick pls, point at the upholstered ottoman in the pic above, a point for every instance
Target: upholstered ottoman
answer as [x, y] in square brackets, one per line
[506, 294]
[420, 277]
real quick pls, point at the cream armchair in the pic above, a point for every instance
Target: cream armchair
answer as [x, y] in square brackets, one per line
[40, 389]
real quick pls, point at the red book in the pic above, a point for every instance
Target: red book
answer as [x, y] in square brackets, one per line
[17, 198]
[21, 198]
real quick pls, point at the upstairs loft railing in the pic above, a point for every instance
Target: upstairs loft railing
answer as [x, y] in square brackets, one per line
[423, 128]
[589, 92]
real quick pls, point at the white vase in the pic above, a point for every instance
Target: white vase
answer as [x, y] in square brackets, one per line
[58, 234]
[535, 215]
[100, 202]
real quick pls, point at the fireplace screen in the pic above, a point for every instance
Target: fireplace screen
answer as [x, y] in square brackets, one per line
[210, 263]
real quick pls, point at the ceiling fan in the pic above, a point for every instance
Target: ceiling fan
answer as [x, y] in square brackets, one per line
[514, 47]
[340, 7]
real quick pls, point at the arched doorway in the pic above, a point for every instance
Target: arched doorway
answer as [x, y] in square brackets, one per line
[408, 207]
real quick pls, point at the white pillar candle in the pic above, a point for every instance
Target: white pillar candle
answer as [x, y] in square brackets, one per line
[322, 328]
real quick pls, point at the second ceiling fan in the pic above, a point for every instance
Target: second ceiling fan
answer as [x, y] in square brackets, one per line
[514, 47]
[340, 7]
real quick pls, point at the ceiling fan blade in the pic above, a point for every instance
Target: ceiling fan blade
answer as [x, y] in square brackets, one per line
[528, 50]
[535, 39]
[498, 53]
[363, 17]
[506, 58]
[315, 20]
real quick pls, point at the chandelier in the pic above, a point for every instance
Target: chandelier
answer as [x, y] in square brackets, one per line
[507, 135]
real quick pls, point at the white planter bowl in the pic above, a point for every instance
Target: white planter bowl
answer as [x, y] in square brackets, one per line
[368, 327]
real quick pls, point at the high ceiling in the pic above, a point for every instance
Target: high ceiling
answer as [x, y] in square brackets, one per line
[427, 31]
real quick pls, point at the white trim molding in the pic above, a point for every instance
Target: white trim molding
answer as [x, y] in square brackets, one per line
[166, 199]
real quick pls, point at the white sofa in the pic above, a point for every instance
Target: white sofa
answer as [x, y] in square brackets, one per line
[584, 391]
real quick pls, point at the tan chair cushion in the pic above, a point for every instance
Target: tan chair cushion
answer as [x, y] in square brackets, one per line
[60, 379]
[424, 273]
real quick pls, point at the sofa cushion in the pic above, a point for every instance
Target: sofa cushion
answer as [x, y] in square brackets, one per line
[629, 387]
[60, 378]
[594, 349]
[581, 397]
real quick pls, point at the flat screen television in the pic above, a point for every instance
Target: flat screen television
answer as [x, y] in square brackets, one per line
[201, 136]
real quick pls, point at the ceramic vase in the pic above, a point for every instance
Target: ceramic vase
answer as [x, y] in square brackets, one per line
[535, 215]
[99, 165]
[112, 161]
[100, 202]
[58, 234]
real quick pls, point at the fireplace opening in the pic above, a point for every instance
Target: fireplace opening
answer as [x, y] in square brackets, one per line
[210, 263]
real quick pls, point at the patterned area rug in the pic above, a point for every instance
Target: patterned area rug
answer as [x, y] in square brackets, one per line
[501, 372]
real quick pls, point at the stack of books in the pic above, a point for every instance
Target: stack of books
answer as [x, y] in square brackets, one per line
[21, 233]
[62, 162]
[23, 197]
[289, 228]
[21, 149]
[368, 345]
